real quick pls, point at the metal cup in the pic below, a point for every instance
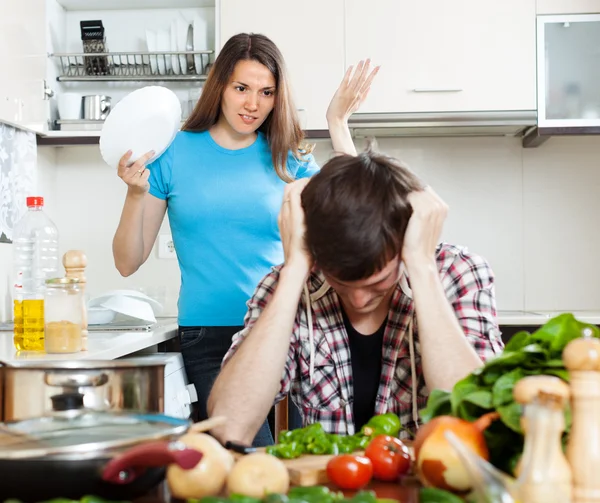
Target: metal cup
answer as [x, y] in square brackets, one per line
[96, 107]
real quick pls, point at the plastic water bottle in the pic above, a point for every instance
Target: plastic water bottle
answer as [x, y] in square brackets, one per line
[35, 249]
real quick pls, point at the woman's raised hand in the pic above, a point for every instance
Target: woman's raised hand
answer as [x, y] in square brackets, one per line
[135, 175]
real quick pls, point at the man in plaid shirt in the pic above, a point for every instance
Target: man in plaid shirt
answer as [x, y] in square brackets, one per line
[335, 326]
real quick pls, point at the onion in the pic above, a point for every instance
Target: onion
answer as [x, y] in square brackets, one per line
[258, 474]
[208, 477]
[438, 465]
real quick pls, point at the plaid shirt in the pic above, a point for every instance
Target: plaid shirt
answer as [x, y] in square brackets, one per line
[469, 285]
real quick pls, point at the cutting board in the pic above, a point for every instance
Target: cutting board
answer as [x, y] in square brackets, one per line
[308, 470]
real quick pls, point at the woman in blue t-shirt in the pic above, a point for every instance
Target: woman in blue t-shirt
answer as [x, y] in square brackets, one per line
[221, 181]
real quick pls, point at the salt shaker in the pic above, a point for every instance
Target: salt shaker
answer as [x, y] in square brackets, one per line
[544, 474]
[582, 359]
[75, 262]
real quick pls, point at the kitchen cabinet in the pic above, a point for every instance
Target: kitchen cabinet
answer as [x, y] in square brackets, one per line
[569, 71]
[568, 6]
[23, 62]
[440, 56]
[41, 51]
[310, 36]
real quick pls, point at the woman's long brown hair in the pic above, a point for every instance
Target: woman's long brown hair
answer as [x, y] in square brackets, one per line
[281, 127]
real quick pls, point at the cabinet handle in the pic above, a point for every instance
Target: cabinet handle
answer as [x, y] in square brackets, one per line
[437, 90]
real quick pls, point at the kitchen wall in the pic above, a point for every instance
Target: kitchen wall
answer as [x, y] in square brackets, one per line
[531, 212]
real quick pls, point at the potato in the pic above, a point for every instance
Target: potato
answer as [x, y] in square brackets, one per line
[258, 474]
[208, 477]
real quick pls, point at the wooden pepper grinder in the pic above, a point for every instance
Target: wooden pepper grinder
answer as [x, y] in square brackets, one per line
[544, 474]
[582, 358]
[75, 262]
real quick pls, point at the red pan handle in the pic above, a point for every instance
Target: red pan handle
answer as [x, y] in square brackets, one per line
[126, 467]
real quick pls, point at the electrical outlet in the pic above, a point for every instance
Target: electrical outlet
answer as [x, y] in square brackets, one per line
[166, 248]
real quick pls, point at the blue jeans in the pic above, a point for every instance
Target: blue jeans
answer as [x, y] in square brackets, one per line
[203, 350]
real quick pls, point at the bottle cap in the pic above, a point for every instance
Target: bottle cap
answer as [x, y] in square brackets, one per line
[35, 201]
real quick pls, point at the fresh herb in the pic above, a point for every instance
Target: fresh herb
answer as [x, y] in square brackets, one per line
[490, 387]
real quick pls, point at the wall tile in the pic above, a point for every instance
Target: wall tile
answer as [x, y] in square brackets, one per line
[561, 184]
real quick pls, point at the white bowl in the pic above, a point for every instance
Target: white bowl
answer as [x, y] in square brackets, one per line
[100, 315]
[146, 119]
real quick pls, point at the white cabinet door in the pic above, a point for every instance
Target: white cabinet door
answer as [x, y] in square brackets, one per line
[568, 6]
[310, 36]
[436, 55]
[23, 62]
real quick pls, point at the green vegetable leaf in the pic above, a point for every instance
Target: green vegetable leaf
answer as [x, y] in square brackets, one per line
[461, 389]
[482, 398]
[562, 373]
[502, 392]
[518, 341]
[510, 415]
[432, 495]
[438, 404]
[508, 359]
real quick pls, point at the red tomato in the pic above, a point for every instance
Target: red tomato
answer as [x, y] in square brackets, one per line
[389, 456]
[349, 472]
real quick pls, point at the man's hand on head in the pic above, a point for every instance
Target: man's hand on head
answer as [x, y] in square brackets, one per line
[424, 227]
[292, 227]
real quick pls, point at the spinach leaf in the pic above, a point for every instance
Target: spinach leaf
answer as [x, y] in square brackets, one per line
[438, 404]
[510, 415]
[481, 397]
[461, 389]
[502, 392]
[506, 359]
[518, 341]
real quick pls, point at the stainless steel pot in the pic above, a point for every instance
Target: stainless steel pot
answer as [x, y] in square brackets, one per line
[96, 107]
[76, 452]
[30, 389]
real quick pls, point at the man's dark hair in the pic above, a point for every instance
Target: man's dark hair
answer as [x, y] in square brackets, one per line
[357, 212]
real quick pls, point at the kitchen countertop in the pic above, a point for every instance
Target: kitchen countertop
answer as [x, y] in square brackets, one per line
[534, 318]
[111, 344]
[106, 345]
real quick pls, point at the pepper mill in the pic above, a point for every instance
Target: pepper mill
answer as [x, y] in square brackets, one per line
[582, 359]
[544, 474]
[75, 262]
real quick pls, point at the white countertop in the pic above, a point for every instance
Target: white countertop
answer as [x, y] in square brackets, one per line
[101, 345]
[540, 317]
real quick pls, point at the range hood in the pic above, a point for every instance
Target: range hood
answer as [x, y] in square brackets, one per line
[439, 124]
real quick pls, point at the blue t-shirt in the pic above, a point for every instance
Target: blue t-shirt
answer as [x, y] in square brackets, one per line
[222, 206]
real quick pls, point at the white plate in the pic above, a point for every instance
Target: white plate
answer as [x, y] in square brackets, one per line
[100, 315]
[182, 31]
[146, 119]
[97, 301]
[151, 42]
[163, 44]
[200, 41]
[130, 307]
[174, 48]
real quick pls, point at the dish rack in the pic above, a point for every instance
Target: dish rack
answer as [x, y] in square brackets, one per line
[132, 66]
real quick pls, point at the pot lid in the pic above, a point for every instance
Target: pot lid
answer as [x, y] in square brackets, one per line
[83, 433]
[68, 365]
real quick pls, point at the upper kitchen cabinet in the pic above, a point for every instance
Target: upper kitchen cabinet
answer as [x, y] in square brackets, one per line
[23, 61]
[440, 56]
[50, 58]
[311, 37]
[568, 6]
[569, 71]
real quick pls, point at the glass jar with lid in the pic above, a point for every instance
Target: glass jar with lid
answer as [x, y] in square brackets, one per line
[63, 315]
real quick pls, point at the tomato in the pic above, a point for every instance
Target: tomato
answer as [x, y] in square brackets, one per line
[348, 471]
[389, 456]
